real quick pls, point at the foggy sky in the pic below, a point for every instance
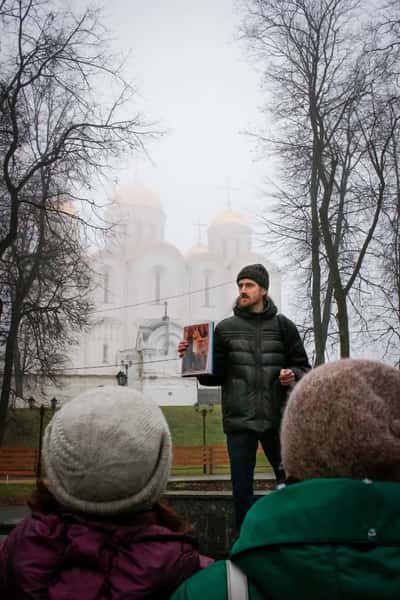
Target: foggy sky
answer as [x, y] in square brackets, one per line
[195, 80]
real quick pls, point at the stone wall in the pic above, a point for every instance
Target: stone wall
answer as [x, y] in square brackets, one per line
[211, 514]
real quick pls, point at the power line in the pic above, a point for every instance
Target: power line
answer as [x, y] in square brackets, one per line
[105, 366]
[108, 365]
[146, 302]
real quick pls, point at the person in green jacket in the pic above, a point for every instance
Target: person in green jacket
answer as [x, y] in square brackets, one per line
[334, 530]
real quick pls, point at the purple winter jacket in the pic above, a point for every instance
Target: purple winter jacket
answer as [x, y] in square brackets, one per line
[52, 557]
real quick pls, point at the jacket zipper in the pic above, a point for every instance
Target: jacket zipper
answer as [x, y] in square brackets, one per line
[258, 378]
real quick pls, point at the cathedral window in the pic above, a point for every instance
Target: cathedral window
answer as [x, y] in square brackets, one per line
[158, 270]
[207, 279]
[106, 287]
[105, 353]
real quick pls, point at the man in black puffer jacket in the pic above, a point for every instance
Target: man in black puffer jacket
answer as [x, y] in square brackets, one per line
[258, 355]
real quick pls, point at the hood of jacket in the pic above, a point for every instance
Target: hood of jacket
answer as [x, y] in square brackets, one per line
[48, 556]
[270, 310]
[324, 538]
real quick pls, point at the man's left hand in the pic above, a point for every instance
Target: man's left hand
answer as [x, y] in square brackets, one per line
[286, 377]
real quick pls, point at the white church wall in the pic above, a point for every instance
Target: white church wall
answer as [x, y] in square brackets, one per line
[136, 272]
[208, 303]
[172, 392]
[160, 273]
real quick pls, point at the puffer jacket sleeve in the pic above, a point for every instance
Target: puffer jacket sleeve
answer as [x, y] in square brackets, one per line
[28, 558]
[186, 564]
[219, 362]
[2, 569]
[296, 356]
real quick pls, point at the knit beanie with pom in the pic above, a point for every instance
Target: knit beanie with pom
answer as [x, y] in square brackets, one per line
[343, 420]
[108, 451]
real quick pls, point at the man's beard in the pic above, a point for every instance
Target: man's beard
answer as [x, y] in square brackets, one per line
[246, 307]
[249, 307]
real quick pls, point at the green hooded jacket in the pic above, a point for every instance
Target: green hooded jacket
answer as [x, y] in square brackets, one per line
[324, 539]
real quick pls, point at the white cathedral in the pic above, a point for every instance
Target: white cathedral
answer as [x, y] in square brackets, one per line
[147, 290]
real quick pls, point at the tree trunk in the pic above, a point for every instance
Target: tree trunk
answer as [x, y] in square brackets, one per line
[8, 369]
[18, 372]
[315, 264]
[343, 323]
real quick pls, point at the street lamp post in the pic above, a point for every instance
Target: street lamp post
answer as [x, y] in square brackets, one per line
[125, 363]
[122, 375]
[204, 409]
[39, 460]
[122, 378]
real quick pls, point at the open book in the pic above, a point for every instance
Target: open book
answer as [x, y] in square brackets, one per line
[198, 359]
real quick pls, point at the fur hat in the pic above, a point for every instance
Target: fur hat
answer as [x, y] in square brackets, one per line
[343, 420]
[257, 273]
[107, 451]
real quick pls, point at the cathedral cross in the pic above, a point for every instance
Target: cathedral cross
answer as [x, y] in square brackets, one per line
[199, 225]
[229, 188]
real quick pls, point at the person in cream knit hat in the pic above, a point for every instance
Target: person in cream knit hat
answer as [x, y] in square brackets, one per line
[98, 528]
[108, 451]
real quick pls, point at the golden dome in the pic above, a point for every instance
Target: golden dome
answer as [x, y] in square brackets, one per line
[136, 194]
[197, 249]
[229, 217]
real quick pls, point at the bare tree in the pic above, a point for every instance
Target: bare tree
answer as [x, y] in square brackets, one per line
[331, 143]
[381, 312]
[53, 67]
[61, 100]
[49, 279]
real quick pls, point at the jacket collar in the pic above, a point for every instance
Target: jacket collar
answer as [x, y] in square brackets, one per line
[269, 311]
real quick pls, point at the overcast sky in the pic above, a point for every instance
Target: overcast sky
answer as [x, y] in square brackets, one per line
[194, 78]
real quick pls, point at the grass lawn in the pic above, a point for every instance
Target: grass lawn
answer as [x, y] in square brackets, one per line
[23, 425]
[16, 489]
[185, 424]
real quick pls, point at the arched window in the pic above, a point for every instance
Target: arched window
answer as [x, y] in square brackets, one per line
[105, 353]
[207, 283]
[158, 277]
[106, 286]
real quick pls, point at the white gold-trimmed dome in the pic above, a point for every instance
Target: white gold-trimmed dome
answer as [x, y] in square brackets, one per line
[136, 194]
[229, 217]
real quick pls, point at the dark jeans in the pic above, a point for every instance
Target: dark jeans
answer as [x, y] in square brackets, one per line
[242, 449]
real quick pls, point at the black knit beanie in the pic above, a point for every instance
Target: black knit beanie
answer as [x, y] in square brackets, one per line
[257, 273]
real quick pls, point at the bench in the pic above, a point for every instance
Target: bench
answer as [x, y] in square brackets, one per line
[18, 462]
[209, 459]
[22, 462]
[190, 457]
